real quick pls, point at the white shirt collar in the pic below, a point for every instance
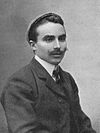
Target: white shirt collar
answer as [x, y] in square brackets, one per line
[49, 67]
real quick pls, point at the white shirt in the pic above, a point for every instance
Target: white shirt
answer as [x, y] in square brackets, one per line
[49, 67]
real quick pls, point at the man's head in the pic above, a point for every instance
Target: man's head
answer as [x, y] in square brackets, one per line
[47, 37]
[49, 17]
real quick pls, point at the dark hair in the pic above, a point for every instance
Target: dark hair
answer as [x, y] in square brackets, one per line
[49, 17]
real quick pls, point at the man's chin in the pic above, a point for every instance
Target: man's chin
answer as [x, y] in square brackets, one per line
[56, 62]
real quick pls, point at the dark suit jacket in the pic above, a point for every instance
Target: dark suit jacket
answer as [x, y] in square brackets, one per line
[34, 103]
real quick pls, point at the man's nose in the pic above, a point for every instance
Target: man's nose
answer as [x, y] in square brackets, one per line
[57, 44]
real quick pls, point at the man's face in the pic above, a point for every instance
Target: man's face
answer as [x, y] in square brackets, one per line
[51, 42]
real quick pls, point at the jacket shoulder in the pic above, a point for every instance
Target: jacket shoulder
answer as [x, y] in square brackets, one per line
[68, 75]
[24, 74]
[21, 82]
[69, 78]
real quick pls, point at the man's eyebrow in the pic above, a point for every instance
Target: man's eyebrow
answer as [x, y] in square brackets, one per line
[64, 35]
[48, 36]
[53, 36]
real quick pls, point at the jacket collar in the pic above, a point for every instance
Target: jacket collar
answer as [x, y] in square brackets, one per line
[38, 68]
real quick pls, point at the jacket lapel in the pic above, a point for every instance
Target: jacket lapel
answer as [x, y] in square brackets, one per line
[44, 75]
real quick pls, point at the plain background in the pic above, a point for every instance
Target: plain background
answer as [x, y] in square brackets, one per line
[82, 21]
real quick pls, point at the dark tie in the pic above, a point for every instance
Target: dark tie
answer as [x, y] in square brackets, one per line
[56, 74]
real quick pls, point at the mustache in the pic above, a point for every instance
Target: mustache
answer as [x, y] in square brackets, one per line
[58, 51]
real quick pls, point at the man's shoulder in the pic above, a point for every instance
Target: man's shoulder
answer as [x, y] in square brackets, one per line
[67, 74]
[22, 79]
[20, 82]
[23, 72]
[24, 76]
[69, 78]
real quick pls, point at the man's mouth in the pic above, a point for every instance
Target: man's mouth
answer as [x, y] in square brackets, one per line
[57, 53]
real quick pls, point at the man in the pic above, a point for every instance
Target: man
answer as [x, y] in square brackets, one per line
[37, 99]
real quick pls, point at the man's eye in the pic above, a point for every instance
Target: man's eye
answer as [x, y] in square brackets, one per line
[62, 38]
[49, 38]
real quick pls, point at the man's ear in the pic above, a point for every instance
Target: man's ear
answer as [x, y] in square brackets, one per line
[33, 45]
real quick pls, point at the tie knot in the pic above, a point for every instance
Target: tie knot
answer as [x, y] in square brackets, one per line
[56, 74]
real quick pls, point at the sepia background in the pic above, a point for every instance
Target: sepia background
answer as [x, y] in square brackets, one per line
[82, 21]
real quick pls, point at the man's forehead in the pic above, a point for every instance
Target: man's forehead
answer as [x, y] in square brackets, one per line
[51, 28]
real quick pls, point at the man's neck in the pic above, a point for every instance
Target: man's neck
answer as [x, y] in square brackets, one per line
[49, 67]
